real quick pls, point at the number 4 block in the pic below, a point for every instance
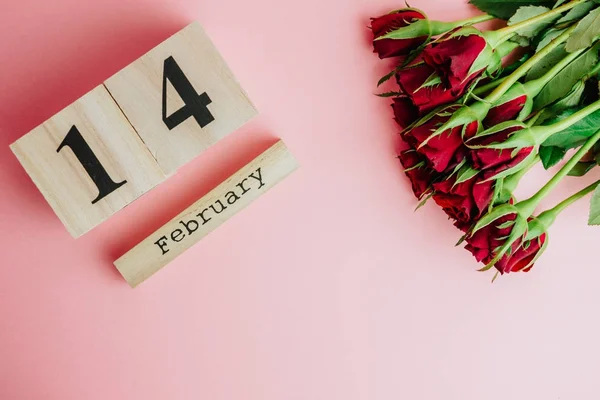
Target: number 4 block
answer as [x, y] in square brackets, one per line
[181, 97]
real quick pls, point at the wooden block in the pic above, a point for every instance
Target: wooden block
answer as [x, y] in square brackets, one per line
[181, 97]
[206, 214]
[88, 162]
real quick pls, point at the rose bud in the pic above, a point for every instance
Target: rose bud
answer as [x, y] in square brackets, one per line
[466, 201]
[522, 252]
[436, 80]
[483, 242]
[522, 257]
[459, 57]
[402, 31]
[421, 84]
[496, 232]
[445, 150]
[497, 160]
[405, 112]
[416, 169]
[507, 110]
[393, 21]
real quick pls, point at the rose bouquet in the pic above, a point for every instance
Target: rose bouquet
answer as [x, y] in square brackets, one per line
[477, 109]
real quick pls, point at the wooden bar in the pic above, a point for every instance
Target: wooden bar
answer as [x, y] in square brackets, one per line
[206, 214]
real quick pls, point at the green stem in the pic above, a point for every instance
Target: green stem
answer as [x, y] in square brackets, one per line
[481, 90]
[570, 200]
[527, 65]
[506, 48]
[477, 19]
[543, 132]
[593, 72]
[532, 121]
[502, 35]
[512, 181]
[534, 87]
[527, 207]
[439, 27]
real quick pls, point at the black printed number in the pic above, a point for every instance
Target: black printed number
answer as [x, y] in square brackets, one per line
[195, 105]
[90, 163]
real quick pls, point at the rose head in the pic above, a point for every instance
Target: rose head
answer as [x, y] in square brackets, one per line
[464, 202]
[483, 244]
[506, 111]
[522, 256]
[421, 84]
[454, 57]
[442, 151]
[405, 112]
[493, 159]
[416, 169]
[386, 48]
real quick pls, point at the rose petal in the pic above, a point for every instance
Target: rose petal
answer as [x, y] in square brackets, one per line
[386, 48]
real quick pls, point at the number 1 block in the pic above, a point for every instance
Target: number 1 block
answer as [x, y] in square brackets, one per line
[88, 162]
[181, 97]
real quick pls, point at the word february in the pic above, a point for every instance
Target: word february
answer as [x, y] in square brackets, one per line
[206, 214]
[188, 227]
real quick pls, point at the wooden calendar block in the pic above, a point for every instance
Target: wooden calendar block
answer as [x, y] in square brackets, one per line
[88, 162]
[205, 215]
[181, 97]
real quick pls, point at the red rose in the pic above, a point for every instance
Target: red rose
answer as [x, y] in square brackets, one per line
[415, 167]
[464, 202]
[425, 98]
[496, 159]
[386, 48]
[405, 112]
[521, 256]
[454, 56]
[445, 150]
[507, 111]
[485, 241]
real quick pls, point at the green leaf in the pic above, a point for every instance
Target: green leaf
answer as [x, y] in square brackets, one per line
[546, 63]
[587, 30]
[577, 134]
[389, 75]
[577, 12]
[582, 168]
[564, 81]
[527, 12]
[504, 9]
[389, 94]
[551, 155]
[572, 99]
[522, 41]
[433, 80]
[594, 218]
[466, 173]
[547, 37]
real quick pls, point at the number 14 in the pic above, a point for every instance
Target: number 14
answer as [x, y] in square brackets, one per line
[195, 106]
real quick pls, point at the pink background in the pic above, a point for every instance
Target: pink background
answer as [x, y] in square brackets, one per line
[328, 287]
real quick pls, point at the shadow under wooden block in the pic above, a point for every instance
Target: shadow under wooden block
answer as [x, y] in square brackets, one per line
[88, 162]
[181, 97]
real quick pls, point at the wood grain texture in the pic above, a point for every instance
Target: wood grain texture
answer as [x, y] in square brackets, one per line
[138, 89]
[205, 215]
[61, 177]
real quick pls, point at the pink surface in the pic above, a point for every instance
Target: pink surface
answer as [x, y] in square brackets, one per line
[328, 287]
